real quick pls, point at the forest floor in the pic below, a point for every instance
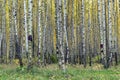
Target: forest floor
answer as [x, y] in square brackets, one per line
[51, 72]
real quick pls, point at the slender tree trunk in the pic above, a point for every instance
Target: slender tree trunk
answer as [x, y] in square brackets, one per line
[7, 30]
[1, 34]
[65, 31]
[39, 31]
[104, 33]
[72, 35]
[83, 35]
[45, 13]
[25, 28]
[17, 41]
[30, 37]
[102, 30]
[89, 42]
[0, 51]
[117, 31]
[12, 42]
[4, 33]
[59, 29]
[109, 56]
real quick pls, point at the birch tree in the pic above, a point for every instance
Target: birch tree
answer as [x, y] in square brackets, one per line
[59, 29]
[109, 56]
[83, 34]
[104, 32]
[39, 29]
[101, 28]
[65, 31]
[17, 39]
[30, 37]
[25, 27]
[44, 22]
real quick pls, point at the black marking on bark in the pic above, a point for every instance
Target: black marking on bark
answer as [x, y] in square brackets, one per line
[101, 45]
[30, 37]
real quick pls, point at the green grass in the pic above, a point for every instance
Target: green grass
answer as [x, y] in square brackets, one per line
[51, 72]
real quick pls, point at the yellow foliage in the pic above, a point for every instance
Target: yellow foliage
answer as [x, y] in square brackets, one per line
[16, 61]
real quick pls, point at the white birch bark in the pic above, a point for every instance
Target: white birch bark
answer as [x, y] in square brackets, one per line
[104, 29]
[30, 37]
[110, 28]
[39, 29]
[45, 16]
[65, 31]
[15, 16]
[15, 27]
[59, 29]
[104, 26]
[25, 26]
[61, 47]
[101, 28]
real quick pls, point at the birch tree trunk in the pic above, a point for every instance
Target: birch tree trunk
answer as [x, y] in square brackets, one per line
[109, 56]
[15, 17]
[59, 29]
[39, 30]
[30, 37]
[45, 20]
[83, 35]
[89, 41]
[104, 32]
[17, 40]
[25, 27]
[102, 29]
[65, 31]
[15, 26]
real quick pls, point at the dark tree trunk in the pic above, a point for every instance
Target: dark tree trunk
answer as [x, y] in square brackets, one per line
[18, 51]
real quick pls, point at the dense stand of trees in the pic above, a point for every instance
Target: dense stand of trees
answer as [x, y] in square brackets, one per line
[64, 31]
